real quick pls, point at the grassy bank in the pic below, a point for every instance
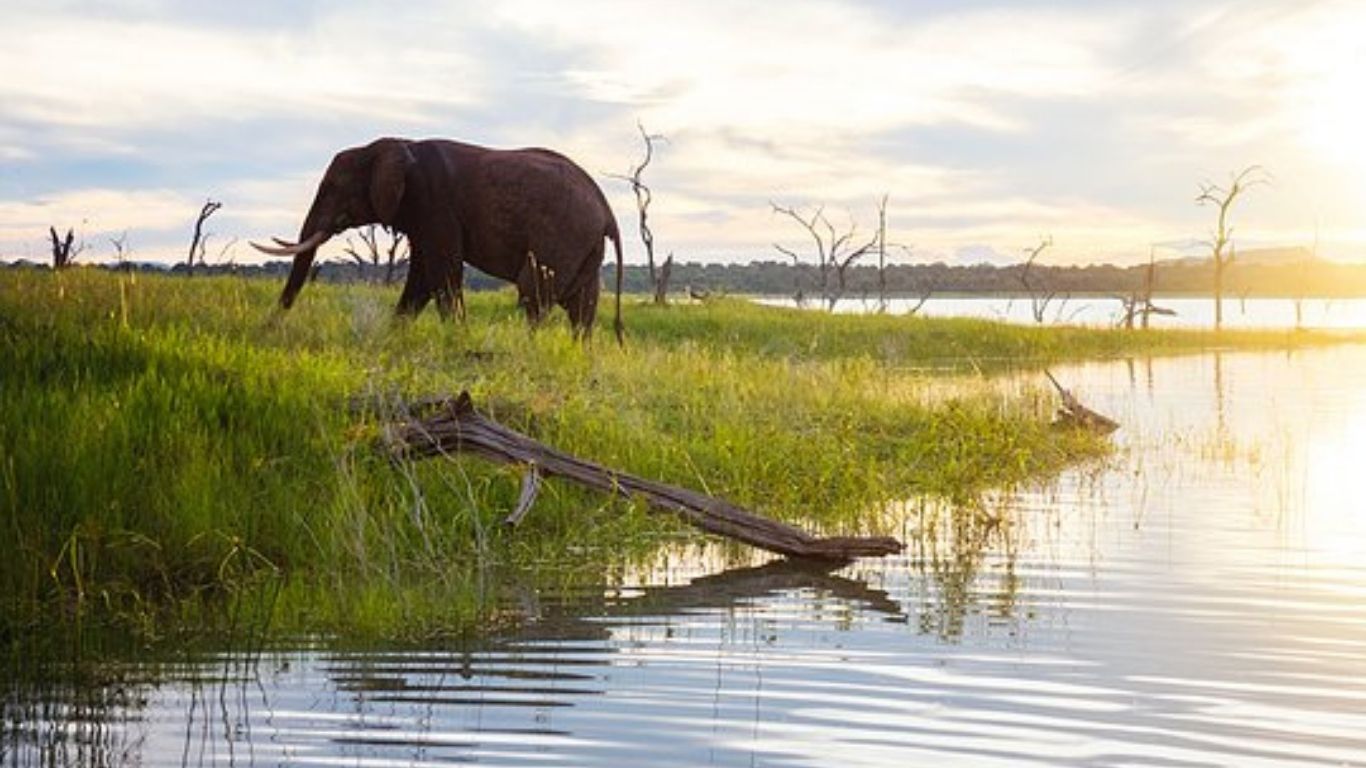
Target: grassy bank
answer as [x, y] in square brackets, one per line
[173, 453]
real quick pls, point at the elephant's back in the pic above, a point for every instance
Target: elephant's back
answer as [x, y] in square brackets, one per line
[545, 179]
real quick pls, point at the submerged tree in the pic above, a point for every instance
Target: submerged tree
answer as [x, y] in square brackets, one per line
[1139, 304]
[659, 278]
[836, 250]
[922, 291]
[1040, 295]
[1221, 238]
[882, 254]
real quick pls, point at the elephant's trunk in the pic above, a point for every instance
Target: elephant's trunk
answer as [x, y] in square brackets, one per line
[303, 260]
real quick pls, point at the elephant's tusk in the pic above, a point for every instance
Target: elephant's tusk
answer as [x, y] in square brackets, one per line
[286, 249]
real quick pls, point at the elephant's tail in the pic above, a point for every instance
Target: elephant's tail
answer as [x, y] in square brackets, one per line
[614, 232]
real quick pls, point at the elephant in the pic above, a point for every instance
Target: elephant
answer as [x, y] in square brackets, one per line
[531, 217]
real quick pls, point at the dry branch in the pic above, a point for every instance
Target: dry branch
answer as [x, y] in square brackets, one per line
[531, 487]
[835, 251]
[1074, 414]
[197, 241]
[1039, 297]
[659, 279]
[457, 427]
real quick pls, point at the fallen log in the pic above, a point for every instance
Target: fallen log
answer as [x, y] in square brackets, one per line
[1073, 414]
[456, 427]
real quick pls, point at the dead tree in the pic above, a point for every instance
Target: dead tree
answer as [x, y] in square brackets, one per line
[836, 251]
[198, 241]
[1223, 199]
[1139, 304]
[662, 284]
[882, 254]
[225, 253]
[367, 263]
[121, 253]
[1302, 279]
[120, 244]
[373, 253]
[1040, 296]
[64, 249]
[925, 290]
[396, 242]
[659, 278]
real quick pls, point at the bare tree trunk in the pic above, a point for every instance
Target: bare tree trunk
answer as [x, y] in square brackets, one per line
[1039, 297]
[1218, 293]
[196, 242]
[396, 240]
[1223, 198]
[1148, 290]
[659, 281]
[64, 249]
[882, 254]
[662, 284]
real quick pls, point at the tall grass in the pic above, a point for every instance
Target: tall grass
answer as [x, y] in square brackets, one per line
[173, 450]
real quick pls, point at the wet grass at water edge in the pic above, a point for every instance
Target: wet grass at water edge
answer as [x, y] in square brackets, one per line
[174, 453]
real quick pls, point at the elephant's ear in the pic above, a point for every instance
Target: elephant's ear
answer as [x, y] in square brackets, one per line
[388, 177]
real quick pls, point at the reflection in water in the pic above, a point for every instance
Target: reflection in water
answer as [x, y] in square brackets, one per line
[1196, 601]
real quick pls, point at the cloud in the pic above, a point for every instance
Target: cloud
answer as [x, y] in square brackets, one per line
[97, 72]
[814, 67]
[989, 123]
[94, 215]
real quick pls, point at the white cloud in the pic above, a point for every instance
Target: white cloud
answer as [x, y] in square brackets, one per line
[101, 210]
[962, 115]
[102, 72]
[94, 215]
[816, 66]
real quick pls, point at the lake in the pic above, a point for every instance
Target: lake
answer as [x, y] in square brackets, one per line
[1199, 599]
[1191, 312]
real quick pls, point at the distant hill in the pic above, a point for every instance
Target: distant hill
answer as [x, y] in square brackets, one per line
[1274, 257]
[1255, 256]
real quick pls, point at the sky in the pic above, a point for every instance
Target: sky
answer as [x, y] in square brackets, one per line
[989, 125]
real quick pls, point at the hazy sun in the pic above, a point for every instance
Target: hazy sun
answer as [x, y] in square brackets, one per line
[1336, 123]
[1329, 63]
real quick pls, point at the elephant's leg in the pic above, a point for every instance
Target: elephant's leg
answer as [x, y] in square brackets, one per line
[580, 295]
[535, 288]
[450, 296]
[415, 294]
[582, 307]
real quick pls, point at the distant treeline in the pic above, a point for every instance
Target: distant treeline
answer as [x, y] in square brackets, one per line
[1308, 278]
[1251, 278]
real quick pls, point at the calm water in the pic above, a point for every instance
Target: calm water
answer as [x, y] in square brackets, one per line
[1200, 600]
[1332, 314]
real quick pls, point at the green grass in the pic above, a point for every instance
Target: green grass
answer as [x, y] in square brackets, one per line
[174, 454]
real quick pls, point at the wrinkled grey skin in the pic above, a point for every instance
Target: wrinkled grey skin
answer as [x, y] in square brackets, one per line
[528, 216]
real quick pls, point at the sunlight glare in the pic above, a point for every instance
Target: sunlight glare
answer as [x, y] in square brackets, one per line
[1333, 73]
[1335, 514]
